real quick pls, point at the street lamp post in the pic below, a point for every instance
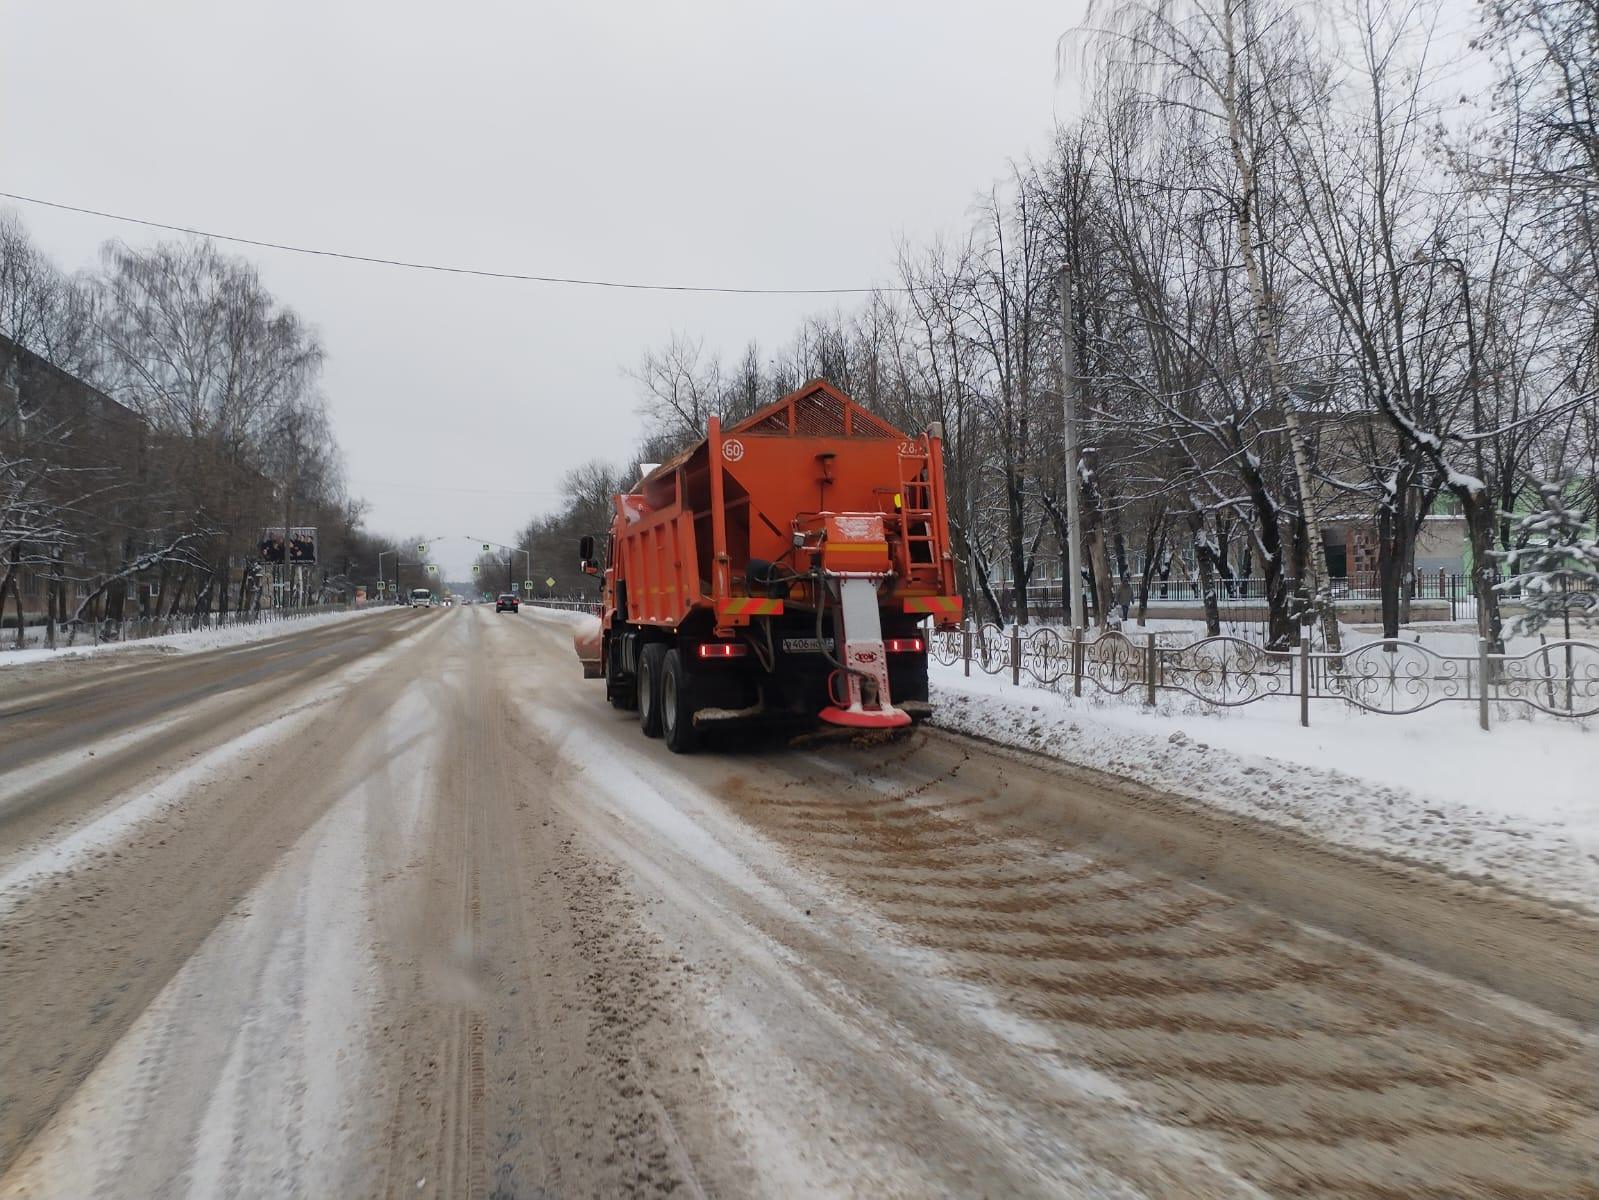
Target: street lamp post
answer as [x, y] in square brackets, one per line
[1068, 394]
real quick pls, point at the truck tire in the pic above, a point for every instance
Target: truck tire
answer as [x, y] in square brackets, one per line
[650, 660]
[619, 690]
[677, 706]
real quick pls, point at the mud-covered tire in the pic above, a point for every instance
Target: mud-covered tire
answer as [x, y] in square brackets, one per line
[650, 660]
[677, 705]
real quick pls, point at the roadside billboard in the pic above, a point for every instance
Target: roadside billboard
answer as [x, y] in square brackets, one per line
[302, 545]
[296, 545]
[273, 547]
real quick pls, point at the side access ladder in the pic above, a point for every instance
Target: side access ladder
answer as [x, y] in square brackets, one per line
[918, 541]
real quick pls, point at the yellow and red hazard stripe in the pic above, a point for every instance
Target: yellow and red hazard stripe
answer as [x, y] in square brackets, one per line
[749, 606]
[944, 606]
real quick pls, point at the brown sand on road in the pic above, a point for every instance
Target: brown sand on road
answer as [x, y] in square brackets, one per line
[590, 967]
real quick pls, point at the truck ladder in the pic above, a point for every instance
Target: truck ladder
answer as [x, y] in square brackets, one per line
[916, 523]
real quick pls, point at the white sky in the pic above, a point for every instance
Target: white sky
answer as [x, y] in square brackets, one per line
[746, 142]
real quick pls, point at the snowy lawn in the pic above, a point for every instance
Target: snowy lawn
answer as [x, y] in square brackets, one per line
[191, 642]
[1518, 805]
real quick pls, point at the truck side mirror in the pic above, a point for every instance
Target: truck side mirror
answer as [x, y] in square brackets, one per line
[585, 548]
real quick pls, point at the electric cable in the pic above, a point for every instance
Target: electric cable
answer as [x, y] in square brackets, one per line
[523, 277]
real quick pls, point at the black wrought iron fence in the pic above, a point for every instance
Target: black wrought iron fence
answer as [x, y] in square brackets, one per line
[1388, 676]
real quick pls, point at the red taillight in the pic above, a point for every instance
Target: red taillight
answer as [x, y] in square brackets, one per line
[722, 649]
[904, 645]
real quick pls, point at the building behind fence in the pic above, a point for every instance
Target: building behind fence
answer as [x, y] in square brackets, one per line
[1244, 594]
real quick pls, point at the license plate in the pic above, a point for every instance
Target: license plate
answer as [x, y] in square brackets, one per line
[806, 645]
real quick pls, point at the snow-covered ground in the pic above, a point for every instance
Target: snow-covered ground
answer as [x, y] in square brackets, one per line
[1517, 805]
[192, 641]
[251, 1063]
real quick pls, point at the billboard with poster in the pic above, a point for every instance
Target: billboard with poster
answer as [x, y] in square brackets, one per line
[295, 545]
[302, 545]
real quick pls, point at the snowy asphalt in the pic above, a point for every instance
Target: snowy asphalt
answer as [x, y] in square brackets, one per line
[400, 906]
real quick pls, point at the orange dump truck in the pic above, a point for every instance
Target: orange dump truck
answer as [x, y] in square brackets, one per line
[783, 568]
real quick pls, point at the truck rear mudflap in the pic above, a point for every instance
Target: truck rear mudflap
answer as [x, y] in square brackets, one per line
[859, 689]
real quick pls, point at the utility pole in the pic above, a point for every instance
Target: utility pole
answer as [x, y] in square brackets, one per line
[1068, 396]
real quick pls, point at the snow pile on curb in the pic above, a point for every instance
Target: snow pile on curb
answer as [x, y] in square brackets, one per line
[1517, 806]
[564, 616]
[192, 641]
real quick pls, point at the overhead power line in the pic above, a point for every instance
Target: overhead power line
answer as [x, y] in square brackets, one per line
[447, 270]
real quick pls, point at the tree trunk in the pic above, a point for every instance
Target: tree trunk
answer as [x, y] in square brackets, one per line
[1266, 335]
[1390, 563]
[1154, 551]
[10, 584]
[50, 589]
[1016, 536]
[1480, 524]
[1102, 580]
[1205, 556]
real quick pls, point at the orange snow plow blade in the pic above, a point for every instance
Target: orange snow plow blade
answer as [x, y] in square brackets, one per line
[586, 641]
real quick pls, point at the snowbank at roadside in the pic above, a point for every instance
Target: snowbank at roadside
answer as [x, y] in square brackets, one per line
[192, 641]
[1518, 805]
[565, 616]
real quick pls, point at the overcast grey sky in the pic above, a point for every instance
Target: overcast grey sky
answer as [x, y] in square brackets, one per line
[744, 143]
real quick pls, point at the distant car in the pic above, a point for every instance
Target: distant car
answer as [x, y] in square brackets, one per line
[507, 602]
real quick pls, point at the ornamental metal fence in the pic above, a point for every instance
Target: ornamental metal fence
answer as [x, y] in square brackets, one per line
[133, 629]
[1388, 676]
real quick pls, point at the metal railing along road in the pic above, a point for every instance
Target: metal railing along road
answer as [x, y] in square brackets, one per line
[1387, 676]
[593, 607]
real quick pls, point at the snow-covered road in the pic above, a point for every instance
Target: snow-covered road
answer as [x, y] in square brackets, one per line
[403, 907]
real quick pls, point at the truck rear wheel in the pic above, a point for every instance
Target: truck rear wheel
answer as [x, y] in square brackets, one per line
[621, 691]
[677, 705]
[649, 688]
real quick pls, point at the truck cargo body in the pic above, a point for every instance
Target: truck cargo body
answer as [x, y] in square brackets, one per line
[783, 568]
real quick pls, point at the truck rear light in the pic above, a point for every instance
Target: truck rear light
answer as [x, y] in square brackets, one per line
[911, 645]
[722, 649]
